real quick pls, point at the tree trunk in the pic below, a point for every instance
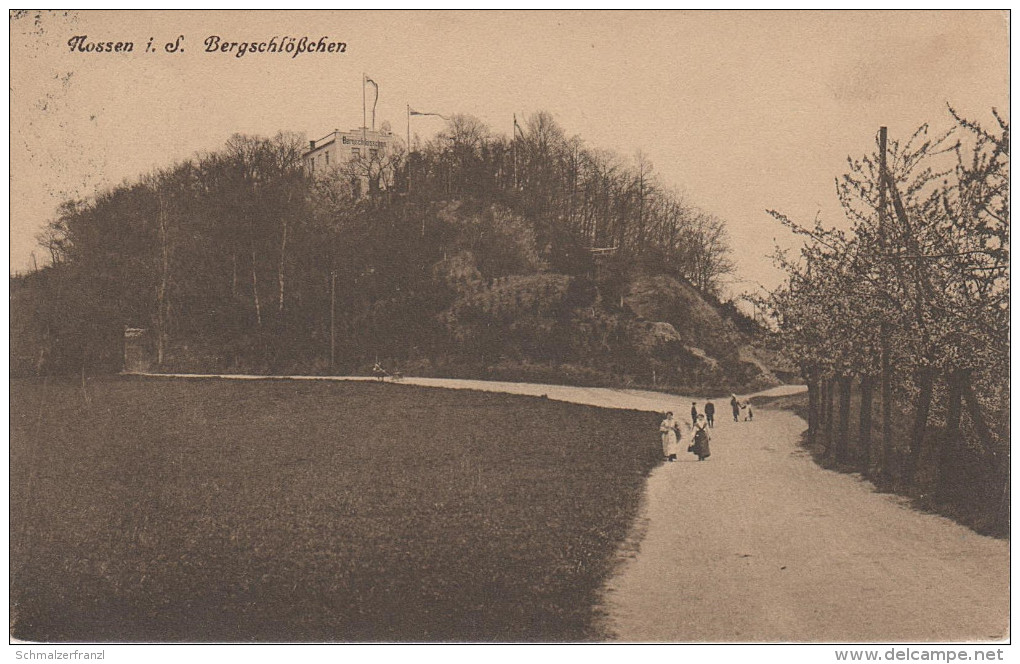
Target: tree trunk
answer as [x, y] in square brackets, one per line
[1001, 467]
[950, 446]
[812, 407]
[925, 384]
[332, 321]
[283, 257]
[867, 396]
[843, 443]
[1002, 522]
[255, 280]
[162, 297]
[974, 409]
[829, 393]
[822, 393]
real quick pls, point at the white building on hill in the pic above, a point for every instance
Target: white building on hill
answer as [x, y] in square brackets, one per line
[343, 146]
[362, 152]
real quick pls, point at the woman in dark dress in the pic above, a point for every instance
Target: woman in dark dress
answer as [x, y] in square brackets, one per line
[701, 439]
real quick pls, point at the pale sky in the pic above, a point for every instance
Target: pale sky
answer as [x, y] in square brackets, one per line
[741, 110]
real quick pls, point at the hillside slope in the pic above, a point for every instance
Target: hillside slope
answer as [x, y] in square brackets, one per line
[541, 327]
[718, 350]
[629, 329]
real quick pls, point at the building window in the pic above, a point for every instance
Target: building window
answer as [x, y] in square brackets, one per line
[327, 159]
[355, 152]
[372, 152]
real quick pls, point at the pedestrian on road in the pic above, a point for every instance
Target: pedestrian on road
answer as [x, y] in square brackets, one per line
[694, 413]
[735, 405]
[750, 411]
[701, 438]
[670, 431]
[710, 414]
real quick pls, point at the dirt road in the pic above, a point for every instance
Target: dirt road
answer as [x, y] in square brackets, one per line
[605, 397]
[758, 543]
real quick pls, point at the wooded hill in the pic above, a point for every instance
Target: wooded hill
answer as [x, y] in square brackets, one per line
[470, 255]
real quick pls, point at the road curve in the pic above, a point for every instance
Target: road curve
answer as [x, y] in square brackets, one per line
[605, 397]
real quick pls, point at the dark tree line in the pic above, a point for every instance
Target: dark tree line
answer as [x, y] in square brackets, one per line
[241, 259]
[911, 305]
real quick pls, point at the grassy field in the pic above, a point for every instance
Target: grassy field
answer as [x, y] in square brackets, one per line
[161, 510]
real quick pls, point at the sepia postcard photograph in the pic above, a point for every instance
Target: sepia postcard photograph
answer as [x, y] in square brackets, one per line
[510, 327]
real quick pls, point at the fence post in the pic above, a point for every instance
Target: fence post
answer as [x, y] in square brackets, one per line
[843, 442]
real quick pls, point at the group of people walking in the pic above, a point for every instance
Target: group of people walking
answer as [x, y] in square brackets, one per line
[675, 432]
[739, 406]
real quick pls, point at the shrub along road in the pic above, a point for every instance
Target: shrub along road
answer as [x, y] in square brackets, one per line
[758, 543]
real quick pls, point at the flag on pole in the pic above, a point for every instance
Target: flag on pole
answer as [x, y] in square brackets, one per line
[414, 112]
[376, 102]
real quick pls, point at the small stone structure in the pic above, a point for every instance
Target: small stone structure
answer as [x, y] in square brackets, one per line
[137, 350]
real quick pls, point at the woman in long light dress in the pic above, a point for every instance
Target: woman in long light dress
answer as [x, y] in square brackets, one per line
[670, 437]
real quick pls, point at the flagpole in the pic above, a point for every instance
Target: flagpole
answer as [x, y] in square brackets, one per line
[364, 112]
